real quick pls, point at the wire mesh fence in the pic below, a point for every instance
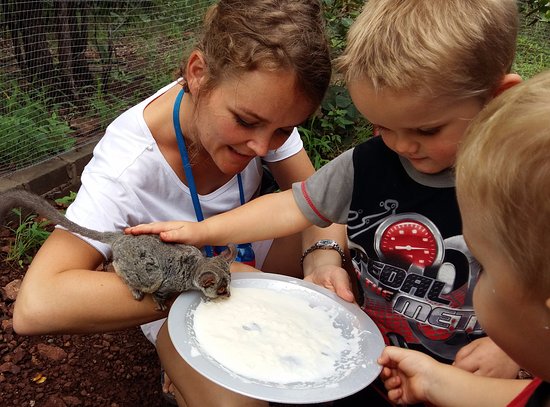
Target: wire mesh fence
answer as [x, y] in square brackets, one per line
[68, 68]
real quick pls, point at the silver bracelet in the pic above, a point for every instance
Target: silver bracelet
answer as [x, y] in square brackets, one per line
[524, 374]
[325, 244]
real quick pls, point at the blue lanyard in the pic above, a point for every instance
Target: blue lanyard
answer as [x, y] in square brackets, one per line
[187, 168]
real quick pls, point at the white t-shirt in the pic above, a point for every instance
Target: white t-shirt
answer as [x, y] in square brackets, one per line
[128, 182]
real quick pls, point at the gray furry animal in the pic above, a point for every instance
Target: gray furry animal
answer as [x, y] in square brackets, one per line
[144, 262]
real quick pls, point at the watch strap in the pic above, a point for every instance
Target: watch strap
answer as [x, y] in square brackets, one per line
[324, 244]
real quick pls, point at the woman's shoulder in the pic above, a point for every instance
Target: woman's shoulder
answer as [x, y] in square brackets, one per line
[132, 119]
[128, 142]
[291, 146]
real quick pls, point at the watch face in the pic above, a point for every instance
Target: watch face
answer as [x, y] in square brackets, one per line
[410, 239]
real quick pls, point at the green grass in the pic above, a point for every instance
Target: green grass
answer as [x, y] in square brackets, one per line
[30, 234]
[533, 54]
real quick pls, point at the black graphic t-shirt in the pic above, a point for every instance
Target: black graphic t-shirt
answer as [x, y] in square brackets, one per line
[415, 273]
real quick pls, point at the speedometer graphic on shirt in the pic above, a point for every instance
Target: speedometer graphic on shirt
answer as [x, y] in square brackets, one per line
[409, 239]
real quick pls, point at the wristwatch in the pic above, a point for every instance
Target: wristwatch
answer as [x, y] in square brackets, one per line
[324, 244]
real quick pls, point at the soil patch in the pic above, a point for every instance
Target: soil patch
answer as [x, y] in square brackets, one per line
[118, 369]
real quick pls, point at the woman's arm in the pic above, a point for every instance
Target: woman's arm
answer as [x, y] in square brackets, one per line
[292, 169]
[63, 293]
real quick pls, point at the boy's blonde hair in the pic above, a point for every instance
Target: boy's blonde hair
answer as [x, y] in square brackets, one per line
[503, 170]
[457, 48]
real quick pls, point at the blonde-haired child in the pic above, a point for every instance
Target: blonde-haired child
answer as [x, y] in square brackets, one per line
[420, 71]
[503, 187]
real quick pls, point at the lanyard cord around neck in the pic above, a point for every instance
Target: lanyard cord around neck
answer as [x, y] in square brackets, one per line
[188, 171]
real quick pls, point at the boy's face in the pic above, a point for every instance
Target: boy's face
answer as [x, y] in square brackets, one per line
[426, 131]
[515, 319]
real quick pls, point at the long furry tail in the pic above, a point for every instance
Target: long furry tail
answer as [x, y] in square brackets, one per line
[22, 198]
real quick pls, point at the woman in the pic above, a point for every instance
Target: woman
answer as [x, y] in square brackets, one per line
[190, 151]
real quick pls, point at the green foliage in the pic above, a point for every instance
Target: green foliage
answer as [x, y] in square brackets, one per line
[532, 57]
[107, 106]
[28, 123]
[66, 200]
[133, 49]
[537, 10]
[339, 16]
[30, 234]
[337, 126]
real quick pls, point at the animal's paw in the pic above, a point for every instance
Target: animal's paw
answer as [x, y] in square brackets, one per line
[138, 295]
[161, 307]
[161, 303]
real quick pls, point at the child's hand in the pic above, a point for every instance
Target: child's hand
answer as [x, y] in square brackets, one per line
[484, 358]
[174, 231]
[407, 374]
[334, 278]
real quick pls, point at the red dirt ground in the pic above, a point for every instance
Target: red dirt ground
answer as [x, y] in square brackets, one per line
[118, 369]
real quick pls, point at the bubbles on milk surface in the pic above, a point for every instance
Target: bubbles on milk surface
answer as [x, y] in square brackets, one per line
[277, 337]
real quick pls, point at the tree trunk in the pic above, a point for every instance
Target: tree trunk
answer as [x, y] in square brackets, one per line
[28, 25]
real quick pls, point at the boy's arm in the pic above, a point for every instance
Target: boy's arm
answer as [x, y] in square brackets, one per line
[412, 377]
[323, 267]
[268, 216]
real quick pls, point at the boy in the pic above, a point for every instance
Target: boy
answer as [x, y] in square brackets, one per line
[503, 187]
[419, 71]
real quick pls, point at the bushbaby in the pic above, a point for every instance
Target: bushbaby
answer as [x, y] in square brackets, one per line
[144, 262]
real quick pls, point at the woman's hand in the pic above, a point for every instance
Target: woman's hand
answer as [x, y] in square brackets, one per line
[334, 278]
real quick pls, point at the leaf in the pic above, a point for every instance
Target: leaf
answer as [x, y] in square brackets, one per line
[39, 378]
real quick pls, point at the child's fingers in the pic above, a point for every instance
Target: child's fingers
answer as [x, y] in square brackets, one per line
[391, 356]
[386, 373]
[153, 228]
[395, 395]
[392, 383]
[176, 236]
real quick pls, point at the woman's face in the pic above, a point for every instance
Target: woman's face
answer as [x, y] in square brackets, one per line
[244, 117]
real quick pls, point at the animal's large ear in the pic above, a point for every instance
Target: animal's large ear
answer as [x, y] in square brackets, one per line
[207, 279]
[230, 253]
